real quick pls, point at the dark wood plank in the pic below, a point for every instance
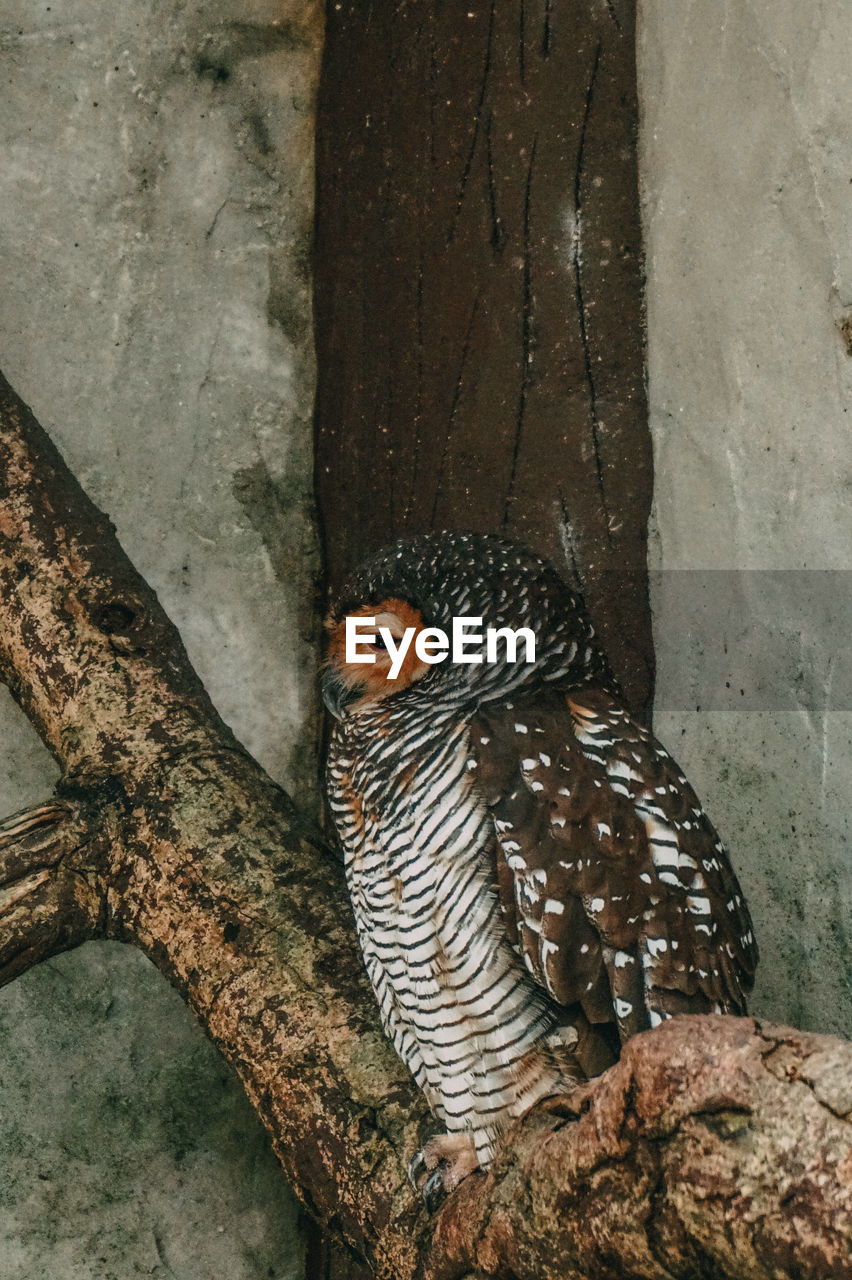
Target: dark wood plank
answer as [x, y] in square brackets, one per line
[479, 309]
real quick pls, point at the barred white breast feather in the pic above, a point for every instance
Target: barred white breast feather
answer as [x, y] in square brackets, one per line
[459, 1008]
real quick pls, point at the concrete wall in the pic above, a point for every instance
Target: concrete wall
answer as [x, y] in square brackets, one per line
[155, 218]
[747, 164]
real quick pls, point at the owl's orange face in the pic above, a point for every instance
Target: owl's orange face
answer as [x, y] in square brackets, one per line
[349, 685]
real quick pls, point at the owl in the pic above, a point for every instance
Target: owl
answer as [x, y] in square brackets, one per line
[533, 878]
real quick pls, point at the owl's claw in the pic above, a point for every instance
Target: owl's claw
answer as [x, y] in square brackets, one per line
[417, 1171]
[434, 1190]
[430, 1184]
[441, 1165]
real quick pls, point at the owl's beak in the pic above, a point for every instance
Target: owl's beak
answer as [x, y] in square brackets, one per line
[335, 694]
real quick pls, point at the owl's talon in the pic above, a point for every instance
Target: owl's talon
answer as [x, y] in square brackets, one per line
[417, 1170]
[440, 1166]
[434, 1190]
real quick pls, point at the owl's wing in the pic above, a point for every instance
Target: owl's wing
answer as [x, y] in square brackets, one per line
[615, 888]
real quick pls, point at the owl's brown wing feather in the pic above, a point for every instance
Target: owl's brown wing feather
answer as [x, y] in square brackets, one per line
[615, 888]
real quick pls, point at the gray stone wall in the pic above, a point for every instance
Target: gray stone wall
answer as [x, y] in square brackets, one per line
[747, 165]
[155, 221]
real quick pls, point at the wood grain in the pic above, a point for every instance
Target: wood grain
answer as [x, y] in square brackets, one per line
[478, 293]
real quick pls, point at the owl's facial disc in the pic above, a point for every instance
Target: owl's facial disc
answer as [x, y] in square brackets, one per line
[346, 685]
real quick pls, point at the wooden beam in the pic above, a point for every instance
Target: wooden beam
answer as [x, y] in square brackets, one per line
[479, 304]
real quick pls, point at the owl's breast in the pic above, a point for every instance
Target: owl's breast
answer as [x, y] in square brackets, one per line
[416, 822]
[420, 863]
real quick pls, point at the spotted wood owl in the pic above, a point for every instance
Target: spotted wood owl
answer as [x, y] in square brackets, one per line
[532, 876]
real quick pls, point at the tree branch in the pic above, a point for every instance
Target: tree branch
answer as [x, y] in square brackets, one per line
[51, 896]
[85, 647]
[712, 1148]
[208, 867]
[715, 1147]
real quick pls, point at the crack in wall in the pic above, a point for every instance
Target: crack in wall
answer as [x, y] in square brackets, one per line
[456, 396]
[498, 236]
[578, 282]
[477, 119]
[545, 39]
[526, 335]
[613, 15]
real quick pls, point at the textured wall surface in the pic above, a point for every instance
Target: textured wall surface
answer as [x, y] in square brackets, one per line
[155, 221]
[128, 1148]
[747, 162]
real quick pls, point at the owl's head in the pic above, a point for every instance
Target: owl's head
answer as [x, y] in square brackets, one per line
[420, 585]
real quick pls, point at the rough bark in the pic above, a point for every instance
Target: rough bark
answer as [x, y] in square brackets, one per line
[715, 1148]
[478, 292]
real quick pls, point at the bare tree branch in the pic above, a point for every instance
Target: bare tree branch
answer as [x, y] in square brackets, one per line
[716, 1147]
[51, 895]
[207, 865]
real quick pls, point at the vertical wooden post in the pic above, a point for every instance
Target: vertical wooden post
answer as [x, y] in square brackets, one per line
[479, 278]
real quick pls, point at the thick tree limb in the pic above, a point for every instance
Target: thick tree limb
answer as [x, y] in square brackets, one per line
[715, 1148]
[208, 867]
